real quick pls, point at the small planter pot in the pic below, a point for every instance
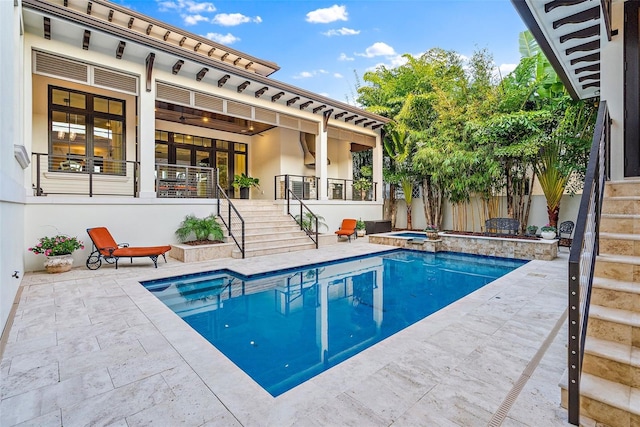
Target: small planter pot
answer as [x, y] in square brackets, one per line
[548, 235]
[432, 235]
[361, 233]
[58, 263]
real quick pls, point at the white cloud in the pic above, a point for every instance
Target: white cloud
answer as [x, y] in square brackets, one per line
[378, 49]
[188, 6]
[338, 76]
[506, 68]
[194, 19]
[233, 19]
[327, 15]
[321, 71]
[344, 31]
[343, 57]
[222, 38]
[304, 75]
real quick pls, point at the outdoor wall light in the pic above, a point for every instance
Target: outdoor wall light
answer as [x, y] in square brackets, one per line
[21, 155]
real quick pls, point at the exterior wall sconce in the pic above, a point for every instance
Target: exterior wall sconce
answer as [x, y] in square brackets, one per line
[21, 155]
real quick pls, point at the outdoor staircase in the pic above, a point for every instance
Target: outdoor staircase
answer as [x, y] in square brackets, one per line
[268, 230]
[610, 382]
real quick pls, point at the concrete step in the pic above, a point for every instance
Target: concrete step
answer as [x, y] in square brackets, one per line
[621, 205]
[254, 252]
[619, 267]
[277, 242]
[620, 223]
[605, 401]
[612, 361]
[614, 324]
[614, 293]
[269, 236]
[620, 244]
[622, 188]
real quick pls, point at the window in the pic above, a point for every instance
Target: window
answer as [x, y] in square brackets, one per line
[86, 132]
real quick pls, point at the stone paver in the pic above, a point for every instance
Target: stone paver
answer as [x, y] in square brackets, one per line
[95, 348]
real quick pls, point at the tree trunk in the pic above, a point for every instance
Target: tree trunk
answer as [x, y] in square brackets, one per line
[525, 220]
[391, 206]
[432, 202]
[509, 190]
[553, 215]
[409, 227]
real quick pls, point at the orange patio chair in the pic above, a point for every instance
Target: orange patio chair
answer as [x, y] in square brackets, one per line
[104, 247]
[348, 228]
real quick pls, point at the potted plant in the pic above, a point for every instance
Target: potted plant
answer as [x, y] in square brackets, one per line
[432, 232]
[244, 183]
[548, 232]
[362, 186]
[200, 231]
[308, 222]
[360, 228]
[532, 230]
[57, 250]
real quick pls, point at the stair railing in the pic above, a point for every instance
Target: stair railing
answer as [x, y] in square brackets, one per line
[582, 258]
[309, 224]
[231, 219]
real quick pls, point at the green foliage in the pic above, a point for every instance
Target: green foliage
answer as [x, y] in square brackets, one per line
[194, 228]
[56, 245]
[360, 225]
[307, 222]
[244, 181]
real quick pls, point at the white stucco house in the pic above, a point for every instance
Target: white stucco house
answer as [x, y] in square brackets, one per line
[112, 118]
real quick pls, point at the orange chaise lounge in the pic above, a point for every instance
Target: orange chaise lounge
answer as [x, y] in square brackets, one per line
[348, 228]
[105, 247]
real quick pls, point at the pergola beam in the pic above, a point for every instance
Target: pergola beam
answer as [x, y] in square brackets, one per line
[120, 49]
[201, 74]
[223, 80]
[85, 39]
[176, 67]
[243, 86]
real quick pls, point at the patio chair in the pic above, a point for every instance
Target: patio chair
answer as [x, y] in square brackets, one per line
[105, 247]
[348, 229]
[566, 229]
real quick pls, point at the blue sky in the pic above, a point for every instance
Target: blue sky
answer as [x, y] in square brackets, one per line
[321, 45]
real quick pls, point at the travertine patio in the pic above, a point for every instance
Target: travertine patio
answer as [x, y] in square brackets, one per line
[95, 348]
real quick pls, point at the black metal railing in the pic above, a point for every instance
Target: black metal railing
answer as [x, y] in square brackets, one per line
[84, 175]
[582, 258]
[307, 220]
[193, 182]
[306, 188]
[231, 219]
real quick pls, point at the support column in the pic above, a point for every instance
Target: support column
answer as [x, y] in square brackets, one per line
[377, 167]
[321, 162]
[146, 138]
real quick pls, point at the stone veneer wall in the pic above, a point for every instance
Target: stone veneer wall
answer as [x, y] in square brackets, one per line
[187, 253]
[545, 250]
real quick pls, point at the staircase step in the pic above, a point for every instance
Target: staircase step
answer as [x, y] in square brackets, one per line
[620, 223]
[254, 252]
[620, 267]
[278, 242]
[262, 236]
[622, 188]
[614, 293]
[621, 205]
[612, 361]
[621, 326]
[606, 401]
[619, 244]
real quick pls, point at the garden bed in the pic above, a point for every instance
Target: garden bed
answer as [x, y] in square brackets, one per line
[195, 253]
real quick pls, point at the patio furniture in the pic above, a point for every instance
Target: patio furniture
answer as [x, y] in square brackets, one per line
[566, 229]
[348, 228]
[378, 226]
[105, 247]
[502, 226]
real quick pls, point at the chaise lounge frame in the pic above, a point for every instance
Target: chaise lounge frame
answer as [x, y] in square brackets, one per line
[105, 247]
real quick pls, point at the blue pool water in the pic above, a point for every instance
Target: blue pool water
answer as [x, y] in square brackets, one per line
[285, 327]
[410, 234]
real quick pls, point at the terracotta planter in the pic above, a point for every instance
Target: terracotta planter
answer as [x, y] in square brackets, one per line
[58, 263]
[432, 235]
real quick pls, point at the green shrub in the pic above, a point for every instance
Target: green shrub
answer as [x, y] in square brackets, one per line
[202, 228]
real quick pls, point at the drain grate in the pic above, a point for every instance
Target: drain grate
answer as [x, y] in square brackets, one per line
[509, 400]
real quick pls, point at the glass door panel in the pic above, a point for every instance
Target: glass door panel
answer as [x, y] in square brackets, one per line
[222, 163]
[239, 167]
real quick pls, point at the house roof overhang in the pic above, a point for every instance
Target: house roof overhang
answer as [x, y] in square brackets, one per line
[110, 25]
[570, 33]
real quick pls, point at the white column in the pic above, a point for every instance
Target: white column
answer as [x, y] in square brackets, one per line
[321, 162]
[146, 138]
[378, 298]
[377, 167]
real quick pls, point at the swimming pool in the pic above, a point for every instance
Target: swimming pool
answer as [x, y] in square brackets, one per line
[285, 327]
[409, 234]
